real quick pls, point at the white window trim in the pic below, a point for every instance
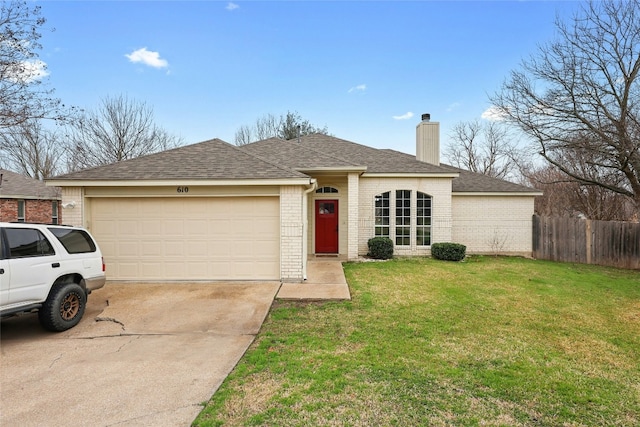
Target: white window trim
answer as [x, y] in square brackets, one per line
[24, 211]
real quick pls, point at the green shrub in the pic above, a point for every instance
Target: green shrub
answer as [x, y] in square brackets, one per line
[448, 251]
[380, 248]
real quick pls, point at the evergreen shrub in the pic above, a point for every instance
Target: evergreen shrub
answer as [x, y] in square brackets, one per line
[448, 251]
[380, 248]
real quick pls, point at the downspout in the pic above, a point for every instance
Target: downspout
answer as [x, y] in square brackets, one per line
[305, 225]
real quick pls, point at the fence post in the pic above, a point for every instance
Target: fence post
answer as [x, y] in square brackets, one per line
[589, 240]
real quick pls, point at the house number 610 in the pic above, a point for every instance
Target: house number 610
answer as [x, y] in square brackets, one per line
[183, 189]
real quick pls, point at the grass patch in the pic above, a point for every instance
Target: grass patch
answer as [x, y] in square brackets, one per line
[490, 341]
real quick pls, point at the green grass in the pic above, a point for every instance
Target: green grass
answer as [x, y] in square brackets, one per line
[485, 342]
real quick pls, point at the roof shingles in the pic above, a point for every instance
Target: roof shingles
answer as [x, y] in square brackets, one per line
[16, 186]
[275, 158]
[208, 160]
[327, 151]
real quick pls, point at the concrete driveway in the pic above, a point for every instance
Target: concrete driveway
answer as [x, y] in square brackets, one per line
[143, 355]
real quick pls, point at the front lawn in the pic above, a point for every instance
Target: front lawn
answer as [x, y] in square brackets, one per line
[489, 341]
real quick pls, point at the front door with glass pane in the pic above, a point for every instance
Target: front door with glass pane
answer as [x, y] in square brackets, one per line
[326, 226]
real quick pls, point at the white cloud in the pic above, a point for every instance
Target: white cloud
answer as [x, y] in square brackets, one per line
[453, 106]
[147, 57]
[493, 114]
[232, 6]
[405, 116]
[28, 71]
[359, 88]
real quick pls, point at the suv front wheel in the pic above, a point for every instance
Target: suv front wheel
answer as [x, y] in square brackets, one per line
[63, 308]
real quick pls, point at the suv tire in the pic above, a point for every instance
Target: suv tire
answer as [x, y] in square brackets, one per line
[63, 308]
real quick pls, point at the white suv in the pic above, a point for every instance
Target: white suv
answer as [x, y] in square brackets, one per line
[48, 268]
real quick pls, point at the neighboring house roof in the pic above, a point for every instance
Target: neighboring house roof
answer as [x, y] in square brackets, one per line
[208, 160]
[16, 186]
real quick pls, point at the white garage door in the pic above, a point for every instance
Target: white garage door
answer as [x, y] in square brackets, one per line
[234, 238]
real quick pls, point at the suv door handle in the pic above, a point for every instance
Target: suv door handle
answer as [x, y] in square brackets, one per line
[55, 265]
[1, 270]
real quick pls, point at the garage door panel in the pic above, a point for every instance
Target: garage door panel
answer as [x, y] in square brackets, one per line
[151, 248]
[128, 227]
[197, 249]
[189, 239]
[264, 247]
[171, 269]
[195, 227]
[217, 250]
[152, 228]
[219, 226]
[127, 249]
[172, 227]
[173, 248]
[123, 269]
[197, 269]
[151, 270]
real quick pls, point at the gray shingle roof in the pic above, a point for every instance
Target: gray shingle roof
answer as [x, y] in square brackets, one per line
[327, 151]
[16, 186]
[275, 158]
[213, 159]
[473, 182]
[295, 155]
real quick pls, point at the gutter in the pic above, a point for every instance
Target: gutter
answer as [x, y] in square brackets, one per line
[313, 184]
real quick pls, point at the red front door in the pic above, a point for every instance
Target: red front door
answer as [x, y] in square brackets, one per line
[327, 226]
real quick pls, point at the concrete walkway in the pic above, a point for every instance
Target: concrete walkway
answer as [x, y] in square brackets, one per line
[325, 281]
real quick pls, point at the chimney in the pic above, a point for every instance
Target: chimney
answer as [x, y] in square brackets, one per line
[428, 141]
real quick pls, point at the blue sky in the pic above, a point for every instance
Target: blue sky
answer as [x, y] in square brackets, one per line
[365, 69]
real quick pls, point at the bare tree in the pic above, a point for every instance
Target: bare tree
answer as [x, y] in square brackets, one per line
[23, 95]
[119, 129]
[563, 196]
[31, 150]
[287, 126]
[580, 96]
[482, 148]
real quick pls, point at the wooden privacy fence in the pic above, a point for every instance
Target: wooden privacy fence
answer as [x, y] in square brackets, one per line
[612, 243]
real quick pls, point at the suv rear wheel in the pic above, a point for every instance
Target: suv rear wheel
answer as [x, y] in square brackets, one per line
[64, 307]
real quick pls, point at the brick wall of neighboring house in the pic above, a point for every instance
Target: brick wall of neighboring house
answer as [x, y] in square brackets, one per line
[34, 210]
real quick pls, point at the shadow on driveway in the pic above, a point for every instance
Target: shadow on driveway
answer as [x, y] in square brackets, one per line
[143, 355]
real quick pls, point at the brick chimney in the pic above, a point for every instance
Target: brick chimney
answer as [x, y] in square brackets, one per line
[428, 141]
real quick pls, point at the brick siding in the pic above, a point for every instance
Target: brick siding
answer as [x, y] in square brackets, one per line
[438, 188]
[73, 215]
[34, 210]
[291, 227]
[494, 224]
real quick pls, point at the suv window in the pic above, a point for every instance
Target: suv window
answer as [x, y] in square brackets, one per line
[74, 241]
[27, 242]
